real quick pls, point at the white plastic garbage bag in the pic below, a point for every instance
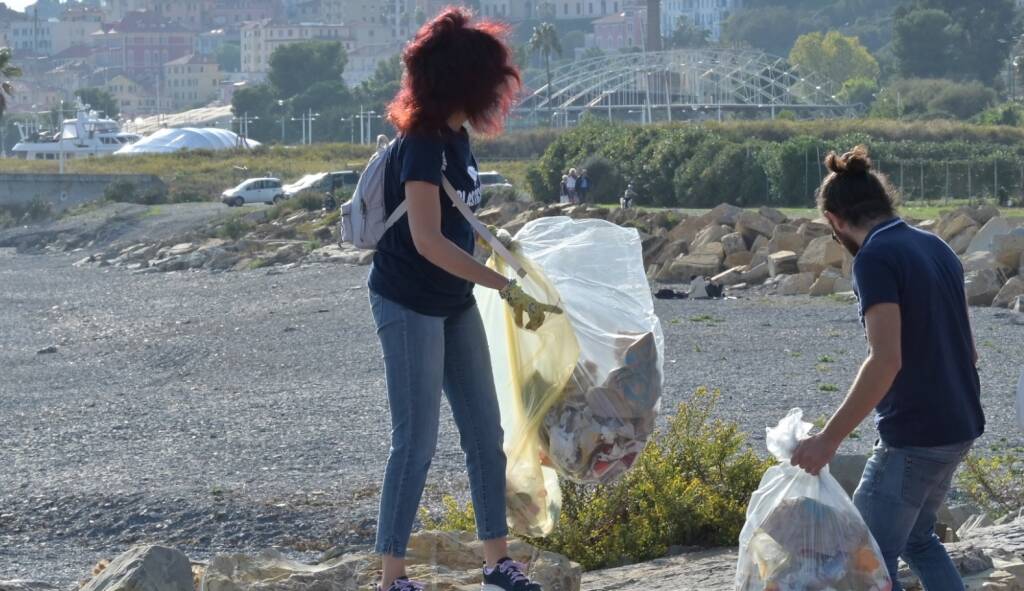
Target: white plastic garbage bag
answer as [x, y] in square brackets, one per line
[802, 531]
[579, 396]
[602, 424]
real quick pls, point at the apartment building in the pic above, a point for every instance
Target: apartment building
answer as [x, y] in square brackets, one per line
[189, 81]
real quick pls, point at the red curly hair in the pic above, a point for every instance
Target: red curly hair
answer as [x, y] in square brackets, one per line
[455, 64]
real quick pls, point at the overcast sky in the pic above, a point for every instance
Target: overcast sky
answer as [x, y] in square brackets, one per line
[18, 5]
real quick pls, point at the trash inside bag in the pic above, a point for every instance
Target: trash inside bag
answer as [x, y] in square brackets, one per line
[531, 369]
[580, 396]
[595, 433]
[802, 531]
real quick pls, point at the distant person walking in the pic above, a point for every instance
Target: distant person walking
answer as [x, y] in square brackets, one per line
[563, 189]
[421, 287]
[920, 374]
[628, 197]
[570, 185]
[583, 185]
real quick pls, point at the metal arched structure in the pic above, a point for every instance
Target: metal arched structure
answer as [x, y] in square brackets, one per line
[678, 85]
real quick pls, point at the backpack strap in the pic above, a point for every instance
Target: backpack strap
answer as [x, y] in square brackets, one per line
[480, 228]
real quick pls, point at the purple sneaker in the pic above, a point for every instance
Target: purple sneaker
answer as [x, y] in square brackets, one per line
[508, 575]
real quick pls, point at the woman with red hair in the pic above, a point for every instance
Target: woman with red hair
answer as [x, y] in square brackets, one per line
[457, 71]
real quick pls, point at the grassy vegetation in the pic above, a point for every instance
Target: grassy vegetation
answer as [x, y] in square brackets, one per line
[690, 486]
[203, 174]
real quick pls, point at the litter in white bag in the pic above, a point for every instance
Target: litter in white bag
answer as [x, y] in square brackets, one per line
[802, 531]
[608, 412]
[579, 397]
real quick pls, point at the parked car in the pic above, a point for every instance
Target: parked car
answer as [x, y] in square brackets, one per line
[492, 178]
[259, 190]
[344, 179]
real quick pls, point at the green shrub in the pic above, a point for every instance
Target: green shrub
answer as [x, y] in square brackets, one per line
[121, 191]
[125, 191]
[690, 486]
[606, 182]
[234, 228]
[6, 219]
[996, 482]
[308, 200]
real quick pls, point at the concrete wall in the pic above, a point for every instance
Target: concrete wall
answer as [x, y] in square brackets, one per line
[68, 189]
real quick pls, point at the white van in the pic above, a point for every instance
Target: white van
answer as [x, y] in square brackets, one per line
[261, 190]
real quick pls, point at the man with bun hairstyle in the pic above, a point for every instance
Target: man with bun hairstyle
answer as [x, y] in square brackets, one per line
[920, 374]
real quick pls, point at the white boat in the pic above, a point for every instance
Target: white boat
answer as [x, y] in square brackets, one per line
[85, 135]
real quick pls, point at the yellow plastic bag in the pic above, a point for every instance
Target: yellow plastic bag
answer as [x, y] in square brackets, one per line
[540, 364]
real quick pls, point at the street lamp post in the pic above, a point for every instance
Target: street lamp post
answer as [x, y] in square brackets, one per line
[280, 103]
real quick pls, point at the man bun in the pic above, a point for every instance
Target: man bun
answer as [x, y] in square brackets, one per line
[856, 161]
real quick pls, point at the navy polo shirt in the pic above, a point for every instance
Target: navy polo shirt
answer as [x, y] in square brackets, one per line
[936, 397]
[400, 273]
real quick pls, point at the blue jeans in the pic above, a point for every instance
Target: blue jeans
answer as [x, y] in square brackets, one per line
[424, 355]
[899, 495]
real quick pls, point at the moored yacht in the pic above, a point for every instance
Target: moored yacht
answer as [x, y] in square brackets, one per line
[85, 135]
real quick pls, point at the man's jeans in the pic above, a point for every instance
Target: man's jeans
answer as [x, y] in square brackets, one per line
[899, 494]
[422, 356]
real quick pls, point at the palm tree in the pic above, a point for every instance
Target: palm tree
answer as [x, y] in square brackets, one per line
[545, 41]
[7, 72]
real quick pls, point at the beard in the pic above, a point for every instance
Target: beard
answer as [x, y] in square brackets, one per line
[848, 243]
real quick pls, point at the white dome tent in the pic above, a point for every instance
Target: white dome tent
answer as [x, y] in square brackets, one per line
[187, 138]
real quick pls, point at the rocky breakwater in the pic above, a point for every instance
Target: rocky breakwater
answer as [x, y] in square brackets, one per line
[447, 561]
[764, 249]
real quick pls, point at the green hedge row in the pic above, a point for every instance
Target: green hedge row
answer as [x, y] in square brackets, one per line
[779, 164]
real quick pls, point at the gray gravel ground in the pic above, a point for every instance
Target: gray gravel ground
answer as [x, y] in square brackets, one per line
[242, 410]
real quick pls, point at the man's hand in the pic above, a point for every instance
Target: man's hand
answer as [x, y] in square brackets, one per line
[814, 453]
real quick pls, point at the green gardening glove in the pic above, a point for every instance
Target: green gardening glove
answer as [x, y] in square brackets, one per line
[522, 303]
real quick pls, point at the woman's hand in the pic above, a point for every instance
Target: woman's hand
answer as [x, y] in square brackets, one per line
[523, 303]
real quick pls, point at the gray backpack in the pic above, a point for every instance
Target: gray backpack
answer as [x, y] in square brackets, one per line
[364, 221]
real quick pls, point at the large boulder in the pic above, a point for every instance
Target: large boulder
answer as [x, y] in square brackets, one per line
[733, 243]
[711, 248]
[985, 237]
[952, 224]
[500, 214]
[776, 216]
[785, 237]
[145, 568]
[755, 274]
[1008, 249]
[799, 284]
[812, 230]
[983, 286]
[729, 277]
[821, 253]
[723, 214]
[687, 266]
[976, 261]
[1008, 295]
[710, 234]
[962, 241]
[687, 229]
[825, 284]
[982, 213]
[739, 259]
[333, 253]
[671, 251]
[450, 561]
[783, 262]
[752, 225]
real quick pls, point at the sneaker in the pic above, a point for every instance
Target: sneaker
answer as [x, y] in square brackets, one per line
[404, 584]
[508, 575]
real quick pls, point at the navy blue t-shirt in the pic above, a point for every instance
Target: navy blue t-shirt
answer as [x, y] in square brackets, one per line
[399, 272]
[936, 397]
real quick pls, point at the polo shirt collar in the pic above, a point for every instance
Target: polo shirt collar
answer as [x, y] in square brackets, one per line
[881, 227]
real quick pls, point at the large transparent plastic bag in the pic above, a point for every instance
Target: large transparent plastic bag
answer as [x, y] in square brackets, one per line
[802, 532]
[579, 396]
[531, 369]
